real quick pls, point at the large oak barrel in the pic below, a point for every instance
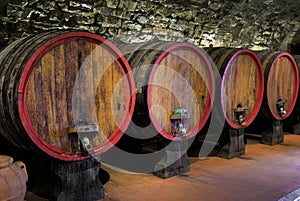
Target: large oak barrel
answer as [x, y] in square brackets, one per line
[170, 76]
[292, 123]
[281, 84]
[242, 84]
[65, 93]
[297, 105]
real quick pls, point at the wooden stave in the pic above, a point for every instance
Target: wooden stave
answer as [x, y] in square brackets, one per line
[268, 60]
[31, 144]
[297, 105]
[8, 125]
[222, 56]
[138, 54]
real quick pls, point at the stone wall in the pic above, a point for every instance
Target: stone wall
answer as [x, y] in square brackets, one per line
[251, 24]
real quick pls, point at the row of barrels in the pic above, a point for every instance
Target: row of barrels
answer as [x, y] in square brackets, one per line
[63, 92]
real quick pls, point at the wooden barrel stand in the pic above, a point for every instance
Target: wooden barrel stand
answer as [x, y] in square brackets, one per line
[274, 135]
[78, 180]
[180, 166]
[296, 127]
[235, 145]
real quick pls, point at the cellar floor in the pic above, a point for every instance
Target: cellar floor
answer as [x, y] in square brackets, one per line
[265, 173]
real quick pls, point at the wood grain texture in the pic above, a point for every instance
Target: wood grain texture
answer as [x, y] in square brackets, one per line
[296, 110]
[12, 64]
[178, 84]
[241, 85]
[170, 77]
[53, 80]
[65, 86]
[281, 82]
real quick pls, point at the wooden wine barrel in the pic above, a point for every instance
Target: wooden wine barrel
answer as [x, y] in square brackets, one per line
[292, 122]
[242, 84]
[296, 109]
[170, 76]
[281, 84]
[65, 93]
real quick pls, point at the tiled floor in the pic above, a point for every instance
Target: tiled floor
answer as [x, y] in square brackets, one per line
[265, 173]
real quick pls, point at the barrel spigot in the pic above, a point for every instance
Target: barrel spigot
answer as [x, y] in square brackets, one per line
[86, 145]
[86, 132]
[240, 114]
[280, 107]
[82, 135]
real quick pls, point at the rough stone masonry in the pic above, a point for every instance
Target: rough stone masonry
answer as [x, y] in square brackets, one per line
[253, 24]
